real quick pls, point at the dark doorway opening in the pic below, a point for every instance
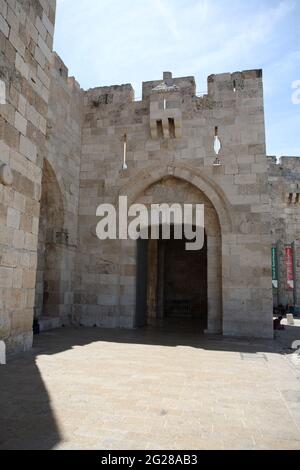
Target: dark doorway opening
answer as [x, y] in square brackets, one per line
[171, 285]
[51, 240]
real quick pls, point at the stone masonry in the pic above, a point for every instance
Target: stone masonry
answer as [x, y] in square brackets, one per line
[240, 299]
[284, 182]
[26, 37]
[62, 153]
[60, 197]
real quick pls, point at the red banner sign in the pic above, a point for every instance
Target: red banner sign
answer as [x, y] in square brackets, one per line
[289, 260]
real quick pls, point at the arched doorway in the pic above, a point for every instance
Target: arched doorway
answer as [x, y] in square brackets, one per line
[49, 294]
[174, 284]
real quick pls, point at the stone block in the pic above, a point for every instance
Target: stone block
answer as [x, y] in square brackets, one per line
[6, 277]
[28, 149]
[20, 123]
[4, 28]
[13, 218]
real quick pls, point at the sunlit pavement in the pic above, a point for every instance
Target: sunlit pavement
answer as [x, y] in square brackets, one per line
[151, 389]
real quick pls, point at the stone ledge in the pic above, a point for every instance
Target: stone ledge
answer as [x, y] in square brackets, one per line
[49, 323]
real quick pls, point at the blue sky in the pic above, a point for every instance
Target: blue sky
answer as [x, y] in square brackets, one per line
[106, 42]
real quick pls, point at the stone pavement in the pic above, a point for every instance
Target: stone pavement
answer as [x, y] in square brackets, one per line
[151, 389]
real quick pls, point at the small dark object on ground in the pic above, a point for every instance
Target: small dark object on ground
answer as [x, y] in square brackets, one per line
[280, 310]
[277, 324]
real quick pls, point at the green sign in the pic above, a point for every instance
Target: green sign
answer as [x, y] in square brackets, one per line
[274, 268]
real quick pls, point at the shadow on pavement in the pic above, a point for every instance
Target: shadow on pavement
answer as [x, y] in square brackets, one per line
[27, 419]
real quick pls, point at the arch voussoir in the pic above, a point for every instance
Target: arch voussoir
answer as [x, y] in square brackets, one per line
[144, 179]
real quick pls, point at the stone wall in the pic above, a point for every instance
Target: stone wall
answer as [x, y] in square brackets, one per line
[62, 154]
[172, 190]
[26, 36]
[238, 188]
[60, 197]
[284, 182]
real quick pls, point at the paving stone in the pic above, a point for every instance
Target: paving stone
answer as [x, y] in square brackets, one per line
[101, 389]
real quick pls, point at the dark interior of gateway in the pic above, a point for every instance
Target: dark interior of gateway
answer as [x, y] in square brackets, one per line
[171, 284]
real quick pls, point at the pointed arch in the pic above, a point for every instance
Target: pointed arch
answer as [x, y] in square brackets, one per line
[147, 177]
[51, 227]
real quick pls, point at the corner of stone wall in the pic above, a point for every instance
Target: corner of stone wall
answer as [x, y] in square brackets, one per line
[219, 85]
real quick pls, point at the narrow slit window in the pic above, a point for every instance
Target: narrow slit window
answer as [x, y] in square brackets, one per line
[160, 132]
[217, 142]
[234, 86]
[172, 128]
[125, 167]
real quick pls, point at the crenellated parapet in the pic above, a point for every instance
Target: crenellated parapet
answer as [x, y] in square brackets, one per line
[247, 83]
[97, 98]
[60, 72]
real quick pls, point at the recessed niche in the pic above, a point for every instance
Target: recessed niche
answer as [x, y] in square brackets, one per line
[160, 131]
[172, 128]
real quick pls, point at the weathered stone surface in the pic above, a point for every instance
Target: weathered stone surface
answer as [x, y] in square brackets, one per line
[284, 186]
[22, 123]
[235, 305]
[167, 391]
[62, 154]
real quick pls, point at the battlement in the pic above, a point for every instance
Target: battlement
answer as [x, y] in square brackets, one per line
[107, 95]
[59, 66]
[186, 85]
[286, 172]
[221, 87]
[291, 163]
[170, 101]
[218, 84]
[60, 70]
[228, 83]
[284, 165]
